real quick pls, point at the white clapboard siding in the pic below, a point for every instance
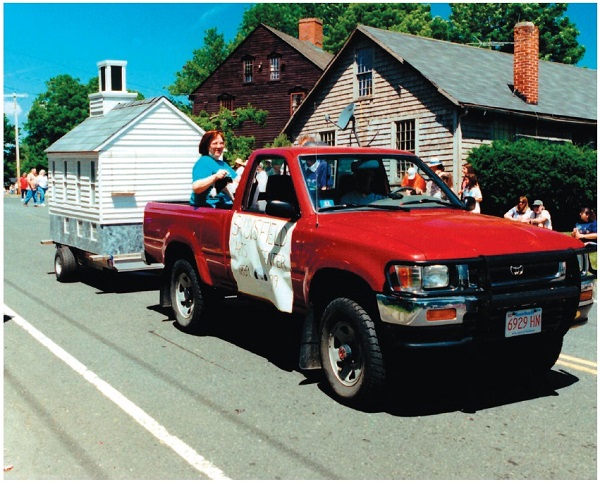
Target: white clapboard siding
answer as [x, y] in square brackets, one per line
[151, 159]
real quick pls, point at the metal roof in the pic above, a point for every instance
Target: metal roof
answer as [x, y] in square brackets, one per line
[94, 132]
[473, 76]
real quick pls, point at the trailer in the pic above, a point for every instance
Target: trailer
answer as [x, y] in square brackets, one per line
[103, 172]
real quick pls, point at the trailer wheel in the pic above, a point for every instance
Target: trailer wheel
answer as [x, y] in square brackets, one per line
[350, 353]
[187, 299]
[65, 264]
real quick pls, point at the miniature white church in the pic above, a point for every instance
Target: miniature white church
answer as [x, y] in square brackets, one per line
[103, 172]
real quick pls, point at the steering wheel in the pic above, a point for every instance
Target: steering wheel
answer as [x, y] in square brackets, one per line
[404, 189]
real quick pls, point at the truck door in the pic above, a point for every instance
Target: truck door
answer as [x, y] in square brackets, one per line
[260, 242]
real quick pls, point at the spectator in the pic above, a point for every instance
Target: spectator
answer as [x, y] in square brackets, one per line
[42, 186]
[586, 229]
[467, 168]
[432, 188]
[240, 165]
[414, 180]
[23, 186]
[521, 212]
[31, 187]
[539, 216]
[276, 166]
[473, 190]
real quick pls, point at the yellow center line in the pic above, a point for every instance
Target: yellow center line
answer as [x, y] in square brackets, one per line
[579, 360]
[577, 364]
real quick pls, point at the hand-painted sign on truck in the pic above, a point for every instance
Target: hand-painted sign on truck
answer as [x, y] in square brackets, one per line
[261, 258]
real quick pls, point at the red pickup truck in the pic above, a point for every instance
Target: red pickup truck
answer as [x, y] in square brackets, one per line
[372, 266]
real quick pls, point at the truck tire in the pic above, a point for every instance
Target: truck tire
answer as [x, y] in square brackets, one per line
[187, 299]
[350, 353]
[65, 264]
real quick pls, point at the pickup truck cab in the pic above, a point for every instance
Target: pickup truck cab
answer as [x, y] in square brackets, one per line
[372, 272]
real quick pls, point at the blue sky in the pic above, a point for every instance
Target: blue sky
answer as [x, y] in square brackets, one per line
[43, 40]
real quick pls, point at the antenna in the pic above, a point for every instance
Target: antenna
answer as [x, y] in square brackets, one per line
[344, 119]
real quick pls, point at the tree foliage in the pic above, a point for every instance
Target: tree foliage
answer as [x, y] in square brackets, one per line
[10, 151]
[204, 62]
[494, 22]
[63, 106]
[413, 18]
[228, 121]
[563, 176]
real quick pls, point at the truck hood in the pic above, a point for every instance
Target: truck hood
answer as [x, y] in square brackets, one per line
[443, 233]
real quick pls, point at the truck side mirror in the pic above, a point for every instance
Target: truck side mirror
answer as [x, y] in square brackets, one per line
[281, 209]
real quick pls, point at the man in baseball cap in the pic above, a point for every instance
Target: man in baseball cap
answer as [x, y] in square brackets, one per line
[539, 216]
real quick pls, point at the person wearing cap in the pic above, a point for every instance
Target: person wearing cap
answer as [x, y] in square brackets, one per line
[240, 164]
[432, 188]
[539, 216]
[414, 180]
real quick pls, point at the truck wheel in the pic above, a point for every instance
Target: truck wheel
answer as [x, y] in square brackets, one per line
[350, 352]
[65, 264]
[186, 295]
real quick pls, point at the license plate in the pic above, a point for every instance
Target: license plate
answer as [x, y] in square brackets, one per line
[523, 322]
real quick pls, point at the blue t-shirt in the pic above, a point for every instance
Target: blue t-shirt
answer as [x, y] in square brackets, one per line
[206, 166]
[586, 228]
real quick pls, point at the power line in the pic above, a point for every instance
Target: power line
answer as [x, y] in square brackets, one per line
[15, 96]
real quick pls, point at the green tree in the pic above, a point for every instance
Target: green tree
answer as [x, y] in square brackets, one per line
[204, 62]
[63, 106]
[413, 18]
[10, 150]
[494, 22]
[561, 175]
[228, 121]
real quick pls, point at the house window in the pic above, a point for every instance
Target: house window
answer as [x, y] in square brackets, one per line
[227, 104]
[275, 67]
[364, 71]
[406, 135]
[78, 184]
[248, 70]
[93, 183]
[94, 232]
[328, 137]
[79, 228]
[296, 99]
[501, 131]
[65, 183]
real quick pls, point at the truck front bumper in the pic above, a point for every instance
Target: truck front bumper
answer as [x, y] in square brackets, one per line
[460, 320]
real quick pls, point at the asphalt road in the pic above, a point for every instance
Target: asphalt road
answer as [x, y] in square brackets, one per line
[100, 384]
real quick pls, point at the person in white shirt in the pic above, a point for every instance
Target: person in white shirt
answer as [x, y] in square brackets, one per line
[520, 212]
[539, 216]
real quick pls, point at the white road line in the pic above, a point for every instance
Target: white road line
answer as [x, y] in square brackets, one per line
[186, 452]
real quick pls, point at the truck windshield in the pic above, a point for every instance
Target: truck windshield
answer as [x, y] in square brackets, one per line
[337, 182]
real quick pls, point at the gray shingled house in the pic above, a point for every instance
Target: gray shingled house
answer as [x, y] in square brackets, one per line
[440, 99]
[104, 171]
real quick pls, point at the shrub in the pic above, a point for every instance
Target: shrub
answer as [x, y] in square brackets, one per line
[563, 176]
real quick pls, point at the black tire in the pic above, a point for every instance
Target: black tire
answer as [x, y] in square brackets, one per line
[350, 353]
[65, 264]
[187, 300]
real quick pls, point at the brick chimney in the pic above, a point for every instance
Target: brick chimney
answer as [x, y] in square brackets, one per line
[526, 61]
[311, 29]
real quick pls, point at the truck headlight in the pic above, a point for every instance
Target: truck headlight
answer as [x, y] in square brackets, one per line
[415, 279]
[436, 276]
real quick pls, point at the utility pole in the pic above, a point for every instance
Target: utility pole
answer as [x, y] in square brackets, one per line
[14, 96]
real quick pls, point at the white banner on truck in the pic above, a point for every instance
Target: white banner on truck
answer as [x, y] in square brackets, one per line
[260, 250]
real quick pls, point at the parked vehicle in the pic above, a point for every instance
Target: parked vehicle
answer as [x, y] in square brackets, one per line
[403, 271]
